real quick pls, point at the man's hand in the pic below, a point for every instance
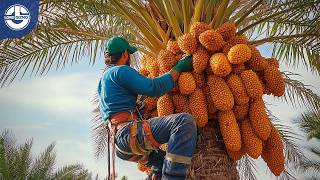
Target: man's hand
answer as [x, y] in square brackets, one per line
[184, 64]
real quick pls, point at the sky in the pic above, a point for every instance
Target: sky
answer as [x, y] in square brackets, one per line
[57, 108]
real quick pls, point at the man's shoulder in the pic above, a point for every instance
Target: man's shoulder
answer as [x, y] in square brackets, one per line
[118, 70]
[123, 69]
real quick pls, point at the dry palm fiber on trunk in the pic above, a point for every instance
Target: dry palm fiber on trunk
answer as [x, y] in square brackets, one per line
[274, 80]
[211, 160]
[227, 30]
[220, 65]
[200, 59]
[211, 40]
[198, 107]
[250, 140]
[165, 105]
[252, 84]
[186, 83]
[187, 43]
[230, 130]
[238, 89]
[273, 152]
[259, 119]
[220, 93]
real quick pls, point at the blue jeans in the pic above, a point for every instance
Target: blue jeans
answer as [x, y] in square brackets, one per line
[178, 130]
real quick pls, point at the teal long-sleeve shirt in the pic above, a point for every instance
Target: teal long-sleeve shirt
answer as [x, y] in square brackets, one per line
[119, 87]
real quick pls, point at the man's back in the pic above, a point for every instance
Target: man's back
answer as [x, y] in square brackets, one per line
[119, 86]
[113, 95]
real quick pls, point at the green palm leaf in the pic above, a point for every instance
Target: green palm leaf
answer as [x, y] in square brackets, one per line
[310, 124]
[23, 160]
[74, 171]
[299, 94]
[44, 164]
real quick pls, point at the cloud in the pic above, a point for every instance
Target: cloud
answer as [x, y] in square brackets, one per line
[67, 94]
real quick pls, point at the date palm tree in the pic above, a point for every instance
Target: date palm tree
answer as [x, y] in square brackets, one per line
[72, 30]
[17, 162]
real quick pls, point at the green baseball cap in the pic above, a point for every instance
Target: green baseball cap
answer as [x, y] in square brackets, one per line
[119, 44]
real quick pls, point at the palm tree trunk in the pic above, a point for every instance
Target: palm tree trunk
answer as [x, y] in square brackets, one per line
[211, 160]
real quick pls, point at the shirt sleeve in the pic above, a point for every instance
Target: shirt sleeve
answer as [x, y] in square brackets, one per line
[138, 84]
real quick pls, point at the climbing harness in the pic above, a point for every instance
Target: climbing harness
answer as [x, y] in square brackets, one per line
[138, 153]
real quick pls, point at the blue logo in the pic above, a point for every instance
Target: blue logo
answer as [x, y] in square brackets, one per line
[18, 17]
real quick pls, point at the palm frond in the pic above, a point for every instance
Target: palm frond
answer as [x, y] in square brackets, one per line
[315, 150]
[23, 160]
[99, 131]
[3, 163]
[311, 165]
[303, 50]
[309, 122]
[291, 26]
[74, 171]
[287, 175]
[8, 152]
[44, 164]
[299, 94]
[58, 40]
[247, 168]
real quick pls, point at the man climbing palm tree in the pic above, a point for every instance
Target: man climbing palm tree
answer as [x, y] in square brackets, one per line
[138, 140]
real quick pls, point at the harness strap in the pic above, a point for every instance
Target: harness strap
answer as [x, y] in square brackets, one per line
[134, 158]
[139, 154]
[113, 151]
[133, 142]
[149, 135]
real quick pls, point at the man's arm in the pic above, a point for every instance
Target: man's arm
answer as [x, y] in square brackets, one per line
[175, 74]
[138, 84]
[158, 86]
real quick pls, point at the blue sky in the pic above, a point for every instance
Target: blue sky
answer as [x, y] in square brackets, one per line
[57, 107]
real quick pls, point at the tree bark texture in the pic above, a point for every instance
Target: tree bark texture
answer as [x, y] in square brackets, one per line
[211, 161]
